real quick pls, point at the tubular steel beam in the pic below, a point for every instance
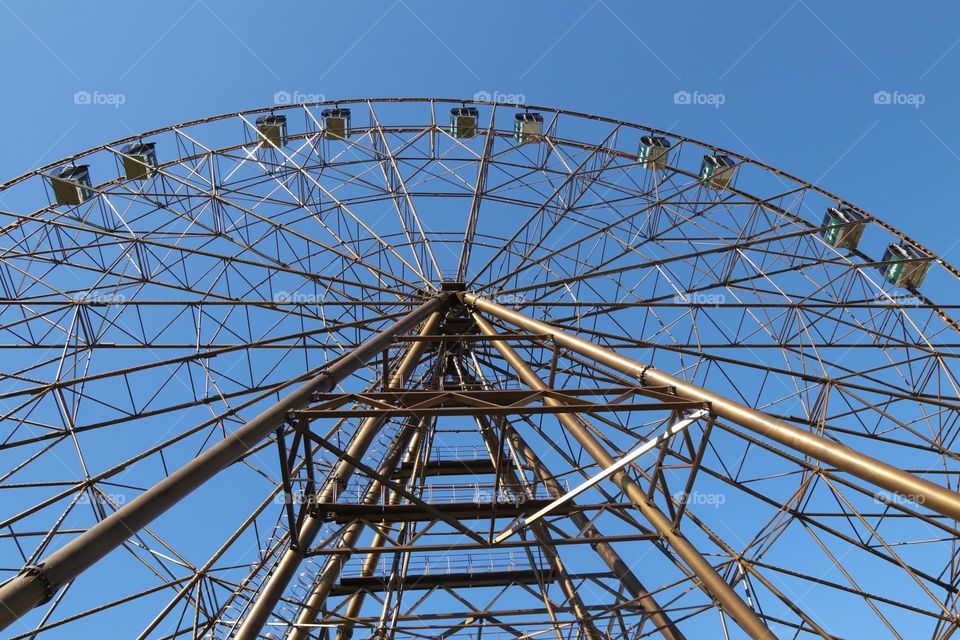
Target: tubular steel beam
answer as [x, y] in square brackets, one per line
[908, 485]
[345, 630]
[410, 440]
[715, 586]
[479, 187]
[279, 580]
[37, 584]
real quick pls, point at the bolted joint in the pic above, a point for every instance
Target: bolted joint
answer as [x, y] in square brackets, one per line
[642, 375]
[36, 571]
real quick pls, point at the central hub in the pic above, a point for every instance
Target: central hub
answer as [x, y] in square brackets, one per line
[453, 286]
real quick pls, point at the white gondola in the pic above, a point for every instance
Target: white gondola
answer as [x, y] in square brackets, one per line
[336, 123]
[139, 160]
[842, 227]
[463, 122]
[904, 265]
[273, 129]
[653, 152]
[71, 184]
[527, 127]
[717, 171]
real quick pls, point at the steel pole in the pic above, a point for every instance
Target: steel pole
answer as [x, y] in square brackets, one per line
[924, 492]
[710, 581]
[408, 438]
[37, 584]
[279, 580]
[349, 539]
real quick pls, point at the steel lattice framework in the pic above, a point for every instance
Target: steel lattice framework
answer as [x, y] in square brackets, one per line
[295, 385]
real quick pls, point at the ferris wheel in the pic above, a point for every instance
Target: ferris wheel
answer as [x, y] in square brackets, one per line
[430, 368]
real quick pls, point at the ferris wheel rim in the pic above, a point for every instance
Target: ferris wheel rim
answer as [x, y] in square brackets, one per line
[492, 103]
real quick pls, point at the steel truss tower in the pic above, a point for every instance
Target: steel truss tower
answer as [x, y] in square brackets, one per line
[422, 368]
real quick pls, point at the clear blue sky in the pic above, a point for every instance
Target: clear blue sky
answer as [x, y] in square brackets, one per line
[797, 79]
[857, 97]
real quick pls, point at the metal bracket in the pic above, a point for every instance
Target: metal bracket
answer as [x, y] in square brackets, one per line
[642, 376]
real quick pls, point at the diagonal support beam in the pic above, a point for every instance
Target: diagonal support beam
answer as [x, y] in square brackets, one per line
[409, 439]
[540, 532]
[37, 584]
[601, 546]
[286, 568]
[669, 432]
[354, 607]
[528, 457]
[908, 485]
[711, 582]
